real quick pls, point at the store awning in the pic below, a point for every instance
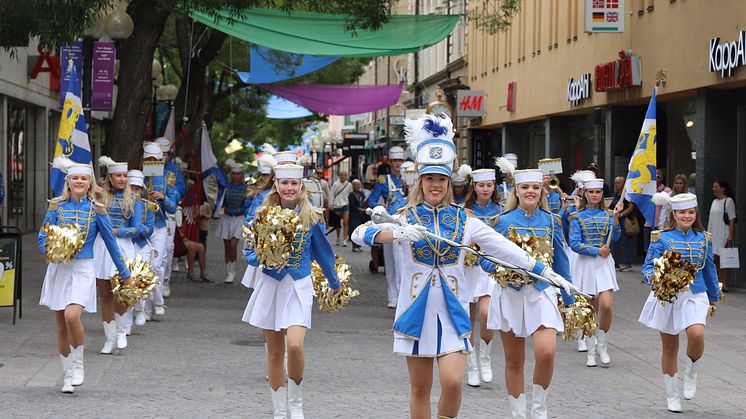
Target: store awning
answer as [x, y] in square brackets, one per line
[264, 66]
[336, 99]
[324, 34]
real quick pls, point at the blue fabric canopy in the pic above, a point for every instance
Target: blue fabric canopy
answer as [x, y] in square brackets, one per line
[293, 65]
[279, 108]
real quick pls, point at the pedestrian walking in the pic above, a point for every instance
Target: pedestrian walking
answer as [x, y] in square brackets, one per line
[358, 206]
[340, 193]
[69, 288]
[722, 225]
[282, 299]
[236, 202]
[682, 233]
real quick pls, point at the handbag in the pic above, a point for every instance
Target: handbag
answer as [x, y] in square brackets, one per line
[729, 258]
[631, 225]
[726, 220]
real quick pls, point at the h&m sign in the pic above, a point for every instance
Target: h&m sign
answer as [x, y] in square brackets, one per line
[726, 57]
[578, 90]
[470, 103]
[622, 73]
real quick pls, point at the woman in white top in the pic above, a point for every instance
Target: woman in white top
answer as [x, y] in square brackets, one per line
[341, 204]
[722, 232]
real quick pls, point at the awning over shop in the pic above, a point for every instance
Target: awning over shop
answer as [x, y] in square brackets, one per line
[264, 66]
[324, 34]
[335, 99]
[279, 108]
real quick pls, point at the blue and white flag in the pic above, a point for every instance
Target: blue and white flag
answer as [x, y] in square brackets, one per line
[72, 137]
[641, 181]
[212, 177]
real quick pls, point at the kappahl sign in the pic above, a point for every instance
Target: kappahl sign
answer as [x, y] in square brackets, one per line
[726, 57]
[578, 90]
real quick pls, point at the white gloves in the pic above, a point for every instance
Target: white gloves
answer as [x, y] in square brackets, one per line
[379, 215]
[559, 280]
[408, 233]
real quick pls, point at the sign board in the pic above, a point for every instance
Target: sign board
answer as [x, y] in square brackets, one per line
[470, 103]
[510, 103]
[72, 51]
[102, 83]
[622, 73]
[8, 265]
[728, 56]
[152, 168]
[396, 120]
[578, 90]
[604, 16]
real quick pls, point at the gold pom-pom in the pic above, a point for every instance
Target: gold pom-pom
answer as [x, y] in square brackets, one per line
[711, 311]
[470, 259]
[579, 316]
[271, 235]
[331, 300]
[671, 276]
[539, 247]
[63, 242]
[144, 280]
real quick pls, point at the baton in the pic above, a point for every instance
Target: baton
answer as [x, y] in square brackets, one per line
[386, 218]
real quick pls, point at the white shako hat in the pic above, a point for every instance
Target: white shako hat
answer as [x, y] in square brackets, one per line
[111, 165]
[582, 176]
[237, 168]
[266, 163]
[593, 184]
[396, 153]
[286, 157]
[288, 171]
[165, 143]
[678, 202]
[512, 158]
[528, 176]
[70, 167]
[430, 139]
[483, 175]
[151, 149]
[135, 177]
[461, 177]
[408, 165]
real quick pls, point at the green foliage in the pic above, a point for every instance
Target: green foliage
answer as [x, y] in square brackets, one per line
[488, 17]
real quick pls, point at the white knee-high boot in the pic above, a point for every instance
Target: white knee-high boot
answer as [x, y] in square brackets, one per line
[518, 406]
[690, 378]
[485, 361]
[78, 369]
[280, 402]
[67, 367]
[673, 399]
[110, 330]
[472, 369]
[295, 399]
[539, 402]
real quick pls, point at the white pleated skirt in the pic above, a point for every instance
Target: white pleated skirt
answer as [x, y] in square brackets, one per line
[438, 337]
[68, 283]
[229, 227]
[571, 256]
[277, 305]
[103, 265]
[524, 311]
[485, 286]
[672, 319]
[594, 274]
[249, 276]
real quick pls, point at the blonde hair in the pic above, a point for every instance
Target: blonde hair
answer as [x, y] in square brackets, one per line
[54, 203]
[417, 196]
[262, 186]
[308, 214]
[512, 201]
[129, 201]
[671, 222]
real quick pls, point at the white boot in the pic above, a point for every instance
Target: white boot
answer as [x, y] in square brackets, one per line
[231, 273]
[140, 318]
[591, 361]
[582, 344]
[121, 324]
[78, 370]
[280, 402]
[472, 369]
[539, 402]
[485, 361]
[295, 399]
[690, 378]
[518, 406]
[603, 353]
[110, 330]
[672, 392]
[67, 367]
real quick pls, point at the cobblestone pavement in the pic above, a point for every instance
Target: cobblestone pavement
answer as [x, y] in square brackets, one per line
[200, 360]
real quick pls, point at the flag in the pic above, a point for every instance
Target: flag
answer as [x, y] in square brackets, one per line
[612, 16]
[170, 130]
[72, 137]
[598, 4]
[598, 16]
[612, 4]
[212, 177]
[641, 181]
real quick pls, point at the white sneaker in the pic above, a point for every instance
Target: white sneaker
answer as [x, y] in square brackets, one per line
[391, 304]
[229, 279]
[140, 319]
[344, 243]
[175, 268]
[166, 291]
[159, 310]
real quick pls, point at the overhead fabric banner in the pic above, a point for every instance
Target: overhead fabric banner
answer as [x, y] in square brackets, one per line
[279, 108]
[335, 99]
[264, 66]
[324, 34]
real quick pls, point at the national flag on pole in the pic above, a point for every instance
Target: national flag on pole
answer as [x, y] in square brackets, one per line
[212, 177]
[72, 137]
[641, 181]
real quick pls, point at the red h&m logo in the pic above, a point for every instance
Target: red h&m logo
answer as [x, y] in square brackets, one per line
[471, 103]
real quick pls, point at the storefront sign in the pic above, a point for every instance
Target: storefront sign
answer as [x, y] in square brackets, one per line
[510, 104]
[102, 85]
[8, 263]
[604, 16]
[726, 57]
[396, 120]
[622, 73]
[67, 52]
[578, 90]
[470, 103]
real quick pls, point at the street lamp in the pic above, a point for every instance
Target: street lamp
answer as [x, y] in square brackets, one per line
[119, 25]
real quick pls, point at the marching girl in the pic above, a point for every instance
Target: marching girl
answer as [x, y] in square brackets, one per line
[483, 203]
[126, 221]
[69, 288]
[529, 310]
[235, 205]
[136, 180]
[682, 233]
[432, 320]
[460, 180]
[593, 271]
[265, 164]
[282, 299]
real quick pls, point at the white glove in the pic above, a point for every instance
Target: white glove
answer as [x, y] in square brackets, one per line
[409, 233]
[379, 214]
[559, 280]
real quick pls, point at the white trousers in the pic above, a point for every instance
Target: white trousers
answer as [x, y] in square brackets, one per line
[392, 278]
[159, 241]
[169, 259]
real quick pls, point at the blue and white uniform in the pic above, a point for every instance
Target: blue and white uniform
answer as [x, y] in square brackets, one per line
[235, 205]
[589, 231]
[483, 284]
[249, 276]
[160, 236]
[74, 282]
[692, 305]
[522, 309]
[128, 227]
[554, 199]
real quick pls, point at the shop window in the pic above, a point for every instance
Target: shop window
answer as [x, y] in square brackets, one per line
[16, 163]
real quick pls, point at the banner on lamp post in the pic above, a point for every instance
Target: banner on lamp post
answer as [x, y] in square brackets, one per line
[75, 52]
[102, 85]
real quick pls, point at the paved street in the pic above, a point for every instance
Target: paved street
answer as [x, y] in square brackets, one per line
[202, 361]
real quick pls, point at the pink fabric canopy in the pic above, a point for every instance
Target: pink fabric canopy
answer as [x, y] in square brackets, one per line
[335, 99]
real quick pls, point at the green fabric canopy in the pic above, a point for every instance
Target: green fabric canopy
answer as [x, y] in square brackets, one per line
[324, 34]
